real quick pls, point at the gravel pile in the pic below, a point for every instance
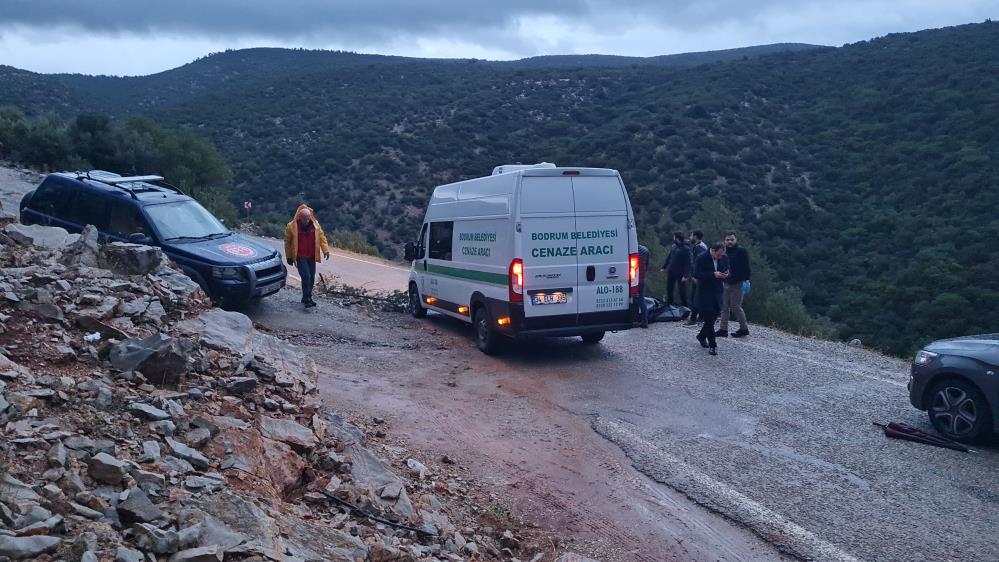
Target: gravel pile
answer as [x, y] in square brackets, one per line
[140, 424]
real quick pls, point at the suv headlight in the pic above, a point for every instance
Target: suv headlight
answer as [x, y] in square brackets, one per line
[924, 357]
[228, 273]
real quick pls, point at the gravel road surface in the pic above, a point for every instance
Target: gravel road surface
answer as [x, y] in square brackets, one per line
[14, 183]
[774, 433]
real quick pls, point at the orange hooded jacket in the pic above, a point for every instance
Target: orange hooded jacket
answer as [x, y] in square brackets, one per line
[291, 237]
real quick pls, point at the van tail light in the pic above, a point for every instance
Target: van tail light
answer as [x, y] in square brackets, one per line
[517, 281]
[633, 274]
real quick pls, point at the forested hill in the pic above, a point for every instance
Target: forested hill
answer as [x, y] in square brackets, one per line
[866, 174]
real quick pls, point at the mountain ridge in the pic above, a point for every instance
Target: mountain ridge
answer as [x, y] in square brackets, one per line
[849, 168]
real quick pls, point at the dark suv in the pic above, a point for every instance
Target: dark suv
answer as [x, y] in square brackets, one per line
[231, 269]
[957, 382]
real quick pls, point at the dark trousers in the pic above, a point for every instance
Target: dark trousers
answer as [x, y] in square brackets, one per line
[708, 329]
[675, 279]
[643, 309]
[694, 312]
[307, 271]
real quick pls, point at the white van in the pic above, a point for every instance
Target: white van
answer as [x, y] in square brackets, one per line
[530, 251]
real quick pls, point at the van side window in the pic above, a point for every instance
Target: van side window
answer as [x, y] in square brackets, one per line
[440, 240]
[89, 208]
[421, 246]
[126, 219]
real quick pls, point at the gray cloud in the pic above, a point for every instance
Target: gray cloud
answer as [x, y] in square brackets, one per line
[288, 19]
[135, 36]
[377, 20]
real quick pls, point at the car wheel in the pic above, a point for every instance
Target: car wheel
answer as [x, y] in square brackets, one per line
[593, 338]
[415, 306]
[486, 337]
[959, 411]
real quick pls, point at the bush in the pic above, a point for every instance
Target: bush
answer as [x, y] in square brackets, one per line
[139, 146]
[352, 241]
[785, 310]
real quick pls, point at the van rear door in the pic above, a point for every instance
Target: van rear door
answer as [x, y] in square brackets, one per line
[547, 222]
[602, 240]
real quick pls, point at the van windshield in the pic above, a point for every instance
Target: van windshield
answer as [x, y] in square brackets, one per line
[185, 220]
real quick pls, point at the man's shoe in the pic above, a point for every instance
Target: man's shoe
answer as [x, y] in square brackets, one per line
[721, 334]
[310, 304]
[703, 340]
[740, 333]
[713, 351]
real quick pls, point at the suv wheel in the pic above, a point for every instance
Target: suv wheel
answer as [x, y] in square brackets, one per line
[486, 338]
[415, 306]
[593, 338]
[959, 411]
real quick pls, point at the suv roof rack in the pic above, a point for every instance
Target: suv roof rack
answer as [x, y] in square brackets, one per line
[129, 179]
[116, 180]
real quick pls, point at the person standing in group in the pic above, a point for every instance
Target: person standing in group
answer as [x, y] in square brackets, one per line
[677, 268]
[304, 246]
[711, 269]
[644, 255]
[697, 248]
[738, 260]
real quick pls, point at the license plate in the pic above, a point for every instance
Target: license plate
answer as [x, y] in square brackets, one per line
[268, 289]
[548, 298]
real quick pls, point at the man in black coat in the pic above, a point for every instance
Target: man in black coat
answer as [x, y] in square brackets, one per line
[677, 268]
[697, 247]
[710, 270]
[738, 260]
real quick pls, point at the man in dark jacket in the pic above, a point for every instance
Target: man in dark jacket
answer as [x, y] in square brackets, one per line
[711, 269]
[697, 248]
[644, 255]
[738, 260]
[677, 268]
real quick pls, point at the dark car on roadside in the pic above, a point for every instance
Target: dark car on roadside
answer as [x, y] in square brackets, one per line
[232, 269]
[956, 381]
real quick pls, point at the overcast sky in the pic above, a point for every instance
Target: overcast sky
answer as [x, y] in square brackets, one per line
[147, 36]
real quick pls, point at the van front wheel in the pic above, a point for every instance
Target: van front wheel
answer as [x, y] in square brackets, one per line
[486, 338]
[415, 306]
[592, 338]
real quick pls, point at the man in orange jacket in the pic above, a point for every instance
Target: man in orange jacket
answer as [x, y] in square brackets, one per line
[304, 246]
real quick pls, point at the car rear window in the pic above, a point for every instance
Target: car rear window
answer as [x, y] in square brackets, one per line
[598, 193]
[51, 199]
[546, 195]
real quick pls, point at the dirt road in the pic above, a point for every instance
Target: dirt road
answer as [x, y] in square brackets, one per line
[14, 183]
[356, 270]
[604, 443]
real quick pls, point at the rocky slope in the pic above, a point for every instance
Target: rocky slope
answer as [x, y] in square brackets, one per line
[139, 424]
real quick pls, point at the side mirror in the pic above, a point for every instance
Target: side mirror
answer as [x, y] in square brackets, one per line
[140, 238]
[410, 252]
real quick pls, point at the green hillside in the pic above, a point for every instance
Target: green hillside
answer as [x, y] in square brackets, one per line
[866, 175]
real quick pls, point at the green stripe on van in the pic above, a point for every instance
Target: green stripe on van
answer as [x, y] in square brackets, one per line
[494, 278]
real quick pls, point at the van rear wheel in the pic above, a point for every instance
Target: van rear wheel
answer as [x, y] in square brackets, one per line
[415, 306]
[593, 338]
[486, 337]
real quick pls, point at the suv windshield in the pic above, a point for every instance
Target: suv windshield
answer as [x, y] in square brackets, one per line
[185, 220]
